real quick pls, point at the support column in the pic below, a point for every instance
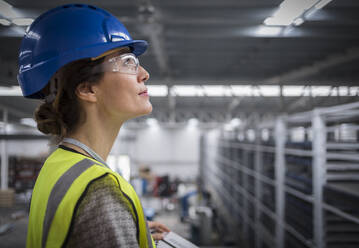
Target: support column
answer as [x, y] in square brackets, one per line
[280, 138]
[245, 199]
[172, 105]
[258, 189]
[319, 175]
[4, 155]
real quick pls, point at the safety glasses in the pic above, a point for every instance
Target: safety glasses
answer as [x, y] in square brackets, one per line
[126, 63]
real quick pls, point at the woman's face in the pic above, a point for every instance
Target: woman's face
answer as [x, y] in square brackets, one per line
[123, 96]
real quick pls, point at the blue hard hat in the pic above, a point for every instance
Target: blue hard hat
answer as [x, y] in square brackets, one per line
[65, 34]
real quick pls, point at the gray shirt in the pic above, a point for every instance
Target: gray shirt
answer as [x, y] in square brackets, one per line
[103, 219]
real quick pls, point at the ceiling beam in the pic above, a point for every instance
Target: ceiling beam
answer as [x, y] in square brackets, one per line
[158, 46]
[153, 28]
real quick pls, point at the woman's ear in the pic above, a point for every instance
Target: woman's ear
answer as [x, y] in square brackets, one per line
[85, 91]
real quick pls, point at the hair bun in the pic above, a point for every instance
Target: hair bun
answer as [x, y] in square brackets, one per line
[48, 120]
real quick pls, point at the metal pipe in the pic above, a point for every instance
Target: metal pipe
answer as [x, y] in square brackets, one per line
[319, 175]
[258, 190]
[4, 155]
[280, 133]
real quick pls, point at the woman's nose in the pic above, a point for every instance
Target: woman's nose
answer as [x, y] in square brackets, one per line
[143, 75]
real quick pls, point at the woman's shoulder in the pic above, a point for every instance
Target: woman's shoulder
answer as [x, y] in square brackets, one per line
[102, 216]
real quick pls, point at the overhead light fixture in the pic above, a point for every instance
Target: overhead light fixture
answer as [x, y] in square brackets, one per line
[321, 4]
[298, 21]
[321, 90]
[271, 21]
[232, 91]
[4, 22]
[29, 122]
[268, 31]
[157, 90]
[294, 90]
[186, 90]
[242, 90]
[289, 11]
[10, 91]
[216, 90]
[269, 90]
[6, 10]
[22, 21]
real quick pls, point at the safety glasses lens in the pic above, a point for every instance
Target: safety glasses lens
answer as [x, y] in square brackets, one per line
[125, 63]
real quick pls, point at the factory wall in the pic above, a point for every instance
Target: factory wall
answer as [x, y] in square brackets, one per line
[171, 151]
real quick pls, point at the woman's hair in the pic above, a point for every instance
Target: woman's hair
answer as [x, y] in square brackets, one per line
[62, 115]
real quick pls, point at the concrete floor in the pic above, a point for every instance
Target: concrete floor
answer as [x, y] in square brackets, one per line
[14, 220]
[15, 237]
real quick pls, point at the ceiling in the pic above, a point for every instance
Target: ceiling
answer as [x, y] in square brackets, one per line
[216, 42]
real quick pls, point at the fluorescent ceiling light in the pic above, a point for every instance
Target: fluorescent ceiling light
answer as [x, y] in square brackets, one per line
[10, 91]
[296, 6]
[268, 31]
[22, 21]
[7, 11]
[231, 90]
[242, 90]
[322, 3]
[4, 22]
[293, 90]
[5, 5]
[186, 90]
[157, 90]
[271, 21]
[298, 21]
[269, 90]
[28, 121]
[354, 91]
[321, 90]
[217, 90]
[343, 91]
[288, 11]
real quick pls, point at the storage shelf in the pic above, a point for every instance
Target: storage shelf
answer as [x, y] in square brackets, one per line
[286, 192]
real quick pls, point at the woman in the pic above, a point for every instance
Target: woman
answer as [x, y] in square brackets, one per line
[82, 61]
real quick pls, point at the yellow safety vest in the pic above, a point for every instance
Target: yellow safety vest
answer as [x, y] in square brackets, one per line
[62, 181]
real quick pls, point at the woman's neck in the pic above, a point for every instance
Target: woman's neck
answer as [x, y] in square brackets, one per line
[97, 135]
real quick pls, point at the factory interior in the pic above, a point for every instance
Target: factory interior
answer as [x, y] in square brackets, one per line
[253, 139]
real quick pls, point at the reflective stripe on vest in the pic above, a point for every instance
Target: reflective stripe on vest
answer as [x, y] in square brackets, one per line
[58, 192]
[61, 183]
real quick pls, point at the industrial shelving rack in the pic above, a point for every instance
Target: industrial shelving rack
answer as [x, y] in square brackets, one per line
[298, 187]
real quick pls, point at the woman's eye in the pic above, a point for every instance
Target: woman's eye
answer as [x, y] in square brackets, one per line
[129, 61]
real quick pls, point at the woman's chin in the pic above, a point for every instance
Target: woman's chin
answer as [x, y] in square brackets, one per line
[149, 111]
[143, 112]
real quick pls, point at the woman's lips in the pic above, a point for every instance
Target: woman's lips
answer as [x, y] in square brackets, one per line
[144, 93]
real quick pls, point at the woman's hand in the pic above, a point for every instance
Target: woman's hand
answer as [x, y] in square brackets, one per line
[157, 230]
